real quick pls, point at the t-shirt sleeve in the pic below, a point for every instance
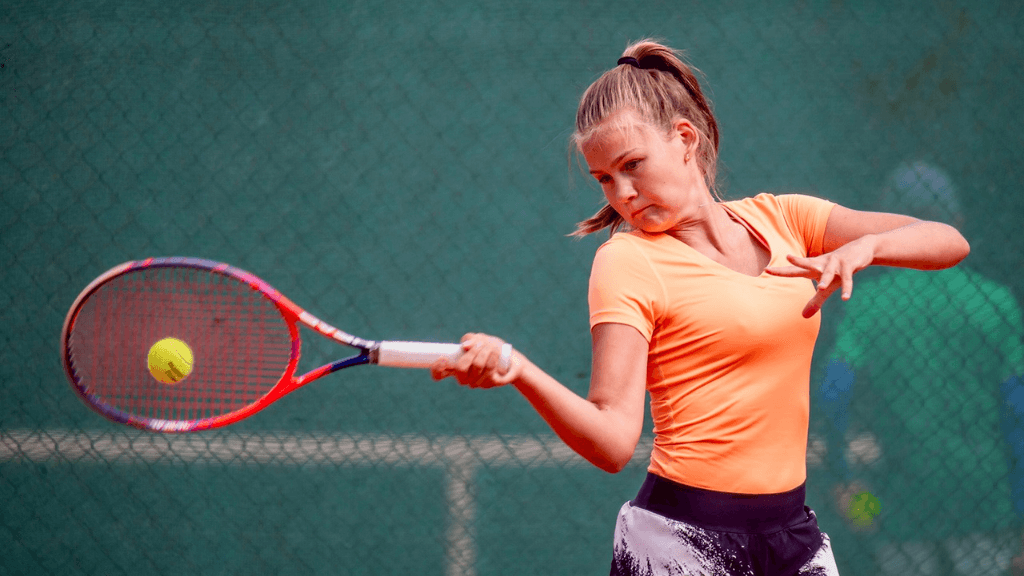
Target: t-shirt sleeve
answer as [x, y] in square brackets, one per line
[807, 217]
[623, 287]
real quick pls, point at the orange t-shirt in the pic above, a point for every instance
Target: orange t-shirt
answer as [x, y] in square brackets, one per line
[728, 368]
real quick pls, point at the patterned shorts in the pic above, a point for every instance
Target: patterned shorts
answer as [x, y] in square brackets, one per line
[693, 532]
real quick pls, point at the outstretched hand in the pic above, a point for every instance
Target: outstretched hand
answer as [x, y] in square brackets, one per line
[482, 364]
[831, 271]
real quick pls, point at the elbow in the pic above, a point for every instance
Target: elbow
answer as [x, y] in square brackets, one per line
[957, 250]
[613, 466]
[613, 461]
[963, 249]
[949, 249]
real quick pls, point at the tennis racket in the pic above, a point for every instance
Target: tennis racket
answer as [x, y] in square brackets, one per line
[241, 336]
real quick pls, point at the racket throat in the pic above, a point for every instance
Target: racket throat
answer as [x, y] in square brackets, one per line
[372, 352]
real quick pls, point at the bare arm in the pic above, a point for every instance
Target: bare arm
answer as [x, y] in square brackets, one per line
[605, 426]
[897, 240]
[855, 240]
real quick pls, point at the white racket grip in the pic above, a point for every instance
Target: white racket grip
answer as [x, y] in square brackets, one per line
[415, 354]
[399, 354]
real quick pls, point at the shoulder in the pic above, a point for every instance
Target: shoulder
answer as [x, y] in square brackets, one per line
[622, 239]
[763, 202]
[625, 246]
[799, 216]
[619, 240]
[628, 261]
[624, 286]
[760, 202]
[786, 205]
[623, 251]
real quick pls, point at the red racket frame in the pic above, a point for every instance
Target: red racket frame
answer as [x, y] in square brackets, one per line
[292, 314]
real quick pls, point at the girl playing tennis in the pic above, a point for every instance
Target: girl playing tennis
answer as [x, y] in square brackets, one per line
[711, 307]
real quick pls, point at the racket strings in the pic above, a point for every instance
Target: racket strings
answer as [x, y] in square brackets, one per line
[240, 343]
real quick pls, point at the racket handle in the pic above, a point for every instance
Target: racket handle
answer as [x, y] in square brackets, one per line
[415, 354]
[422, 354]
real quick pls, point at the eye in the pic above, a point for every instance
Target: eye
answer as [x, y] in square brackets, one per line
[603, 178]
[630, 165]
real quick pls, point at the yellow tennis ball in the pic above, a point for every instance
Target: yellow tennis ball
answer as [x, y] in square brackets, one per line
[170, 360]
[863, 509]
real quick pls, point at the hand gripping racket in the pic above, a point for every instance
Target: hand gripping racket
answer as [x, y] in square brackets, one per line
[240, 336]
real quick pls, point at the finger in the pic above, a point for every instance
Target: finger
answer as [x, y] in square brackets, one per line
[440, 369]
[828, 274]
[486, 377]
[481, 363]
[471, 346]
[465, 360]
[825, 281]
[464, 369]
[847, 283]
[816, 302]
[513, 371]
[494, 367]
[803, 262]
[476, 367]
[801, 268]
[491, 361]
[791, 272]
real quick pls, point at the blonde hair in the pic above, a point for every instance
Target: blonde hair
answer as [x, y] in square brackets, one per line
[661, 88]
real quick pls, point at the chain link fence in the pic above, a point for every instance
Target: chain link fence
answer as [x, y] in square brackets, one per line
[400, 169]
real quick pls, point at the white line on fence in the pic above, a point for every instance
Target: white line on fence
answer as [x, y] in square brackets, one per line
[285, 449]
[458, 455]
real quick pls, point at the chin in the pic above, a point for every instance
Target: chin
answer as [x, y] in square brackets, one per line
[652, 227]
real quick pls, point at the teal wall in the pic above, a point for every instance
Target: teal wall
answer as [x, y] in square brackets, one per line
[401, 170]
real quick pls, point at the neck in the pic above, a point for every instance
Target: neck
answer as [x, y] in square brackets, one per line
[709, 227]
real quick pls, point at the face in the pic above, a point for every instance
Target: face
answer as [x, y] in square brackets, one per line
[644, 173]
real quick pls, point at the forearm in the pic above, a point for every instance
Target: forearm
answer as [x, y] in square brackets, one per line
[605, 426]
[920, 245]
[601, 434]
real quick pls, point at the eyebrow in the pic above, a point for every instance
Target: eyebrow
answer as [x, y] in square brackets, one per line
[617, 159]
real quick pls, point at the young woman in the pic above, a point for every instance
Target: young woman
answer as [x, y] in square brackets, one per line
[711, 307]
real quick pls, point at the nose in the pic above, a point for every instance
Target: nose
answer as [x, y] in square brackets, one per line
[623, 191]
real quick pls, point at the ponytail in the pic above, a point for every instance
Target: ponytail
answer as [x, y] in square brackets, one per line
[606, 217]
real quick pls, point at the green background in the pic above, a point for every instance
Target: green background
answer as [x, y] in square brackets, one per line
[401, 170]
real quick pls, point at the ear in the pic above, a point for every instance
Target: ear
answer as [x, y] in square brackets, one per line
[687, 134]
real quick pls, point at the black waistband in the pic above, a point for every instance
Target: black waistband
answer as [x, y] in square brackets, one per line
[722, 511]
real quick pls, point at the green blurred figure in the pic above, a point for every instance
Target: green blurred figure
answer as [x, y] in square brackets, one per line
[925, 367]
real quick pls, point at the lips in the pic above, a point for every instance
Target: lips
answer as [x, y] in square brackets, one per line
[634, 213]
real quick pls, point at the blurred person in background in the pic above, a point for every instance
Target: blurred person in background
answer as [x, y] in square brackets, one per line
[924, 404]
